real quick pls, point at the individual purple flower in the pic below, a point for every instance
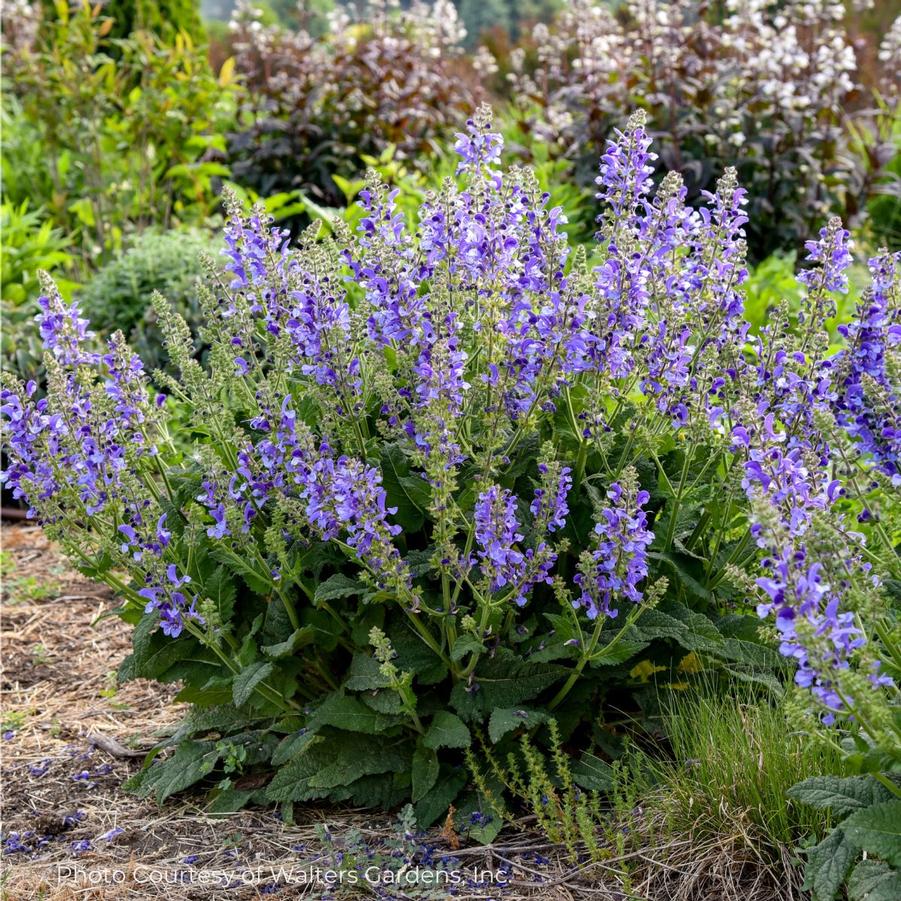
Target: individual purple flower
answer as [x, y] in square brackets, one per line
[868, 399]
[497, 534]
[618, 563]
[549, 506]
[479, 148]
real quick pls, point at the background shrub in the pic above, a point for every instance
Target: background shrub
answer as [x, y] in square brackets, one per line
[168, 262]
[315, 108]
[126, 140]
[765, 88]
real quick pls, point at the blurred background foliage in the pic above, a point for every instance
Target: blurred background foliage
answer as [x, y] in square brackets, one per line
[122, 121]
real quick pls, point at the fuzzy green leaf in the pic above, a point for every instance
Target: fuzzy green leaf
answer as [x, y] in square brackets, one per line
[191, 762]
[360, 759]
[436, 803]
[403, 493]
[877, 830]
[504, 681]
[248, 679]
[874, 880]
[828, 864]
[447, 731]
[506, 719]
[466, 644]
[592, 773]
[841, 795]
[299, 638]
[336, 587]
[291, 745]
[350, 714]
[365, 674]
[424, 772]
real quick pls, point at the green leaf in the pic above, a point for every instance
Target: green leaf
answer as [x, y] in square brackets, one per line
[336, 587]
[877, 830]
[841, 795]
[298, 639]
[693, 631]
[191, 762]
[592, 773]
[623, 650]
[220, 589]
[248, 679]
[437, 802]
[447, 730]
[361, 759]
[506, 719]
[466, 644]
[504, 680]
[291, 745]
[350, 714]
[230, 800]
[236, 563]
[401, 492]
[365, 674]
[424, 772]
[874, 880]
[325, 768]
[828, 864]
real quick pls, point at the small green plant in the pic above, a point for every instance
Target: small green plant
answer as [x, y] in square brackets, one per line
[13, 720]
[542, 781]
[869, 815]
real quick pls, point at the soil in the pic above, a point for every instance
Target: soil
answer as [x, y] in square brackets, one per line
[71, 737]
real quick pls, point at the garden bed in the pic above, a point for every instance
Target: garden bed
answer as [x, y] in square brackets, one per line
[72, 737]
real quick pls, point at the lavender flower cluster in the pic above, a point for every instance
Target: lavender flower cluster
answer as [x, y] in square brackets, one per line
[383, 394]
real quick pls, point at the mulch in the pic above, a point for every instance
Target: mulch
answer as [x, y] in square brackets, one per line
[71, 737]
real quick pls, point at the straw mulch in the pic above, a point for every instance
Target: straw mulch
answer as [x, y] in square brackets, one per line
[71, 737]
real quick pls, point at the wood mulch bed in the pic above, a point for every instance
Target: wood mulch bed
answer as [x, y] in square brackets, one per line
[71, 737]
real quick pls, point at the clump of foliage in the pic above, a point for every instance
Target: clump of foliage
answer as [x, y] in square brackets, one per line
[125, 130]
[30, 243]
[169, 263]
[446, 485]
[314, 107]
[767, 88]
[735, 755]
[164, 18]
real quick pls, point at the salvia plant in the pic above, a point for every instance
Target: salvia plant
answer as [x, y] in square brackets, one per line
[446, 493]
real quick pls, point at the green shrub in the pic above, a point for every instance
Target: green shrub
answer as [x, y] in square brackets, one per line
[123, 141]
[168, 263]
[29, 243]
